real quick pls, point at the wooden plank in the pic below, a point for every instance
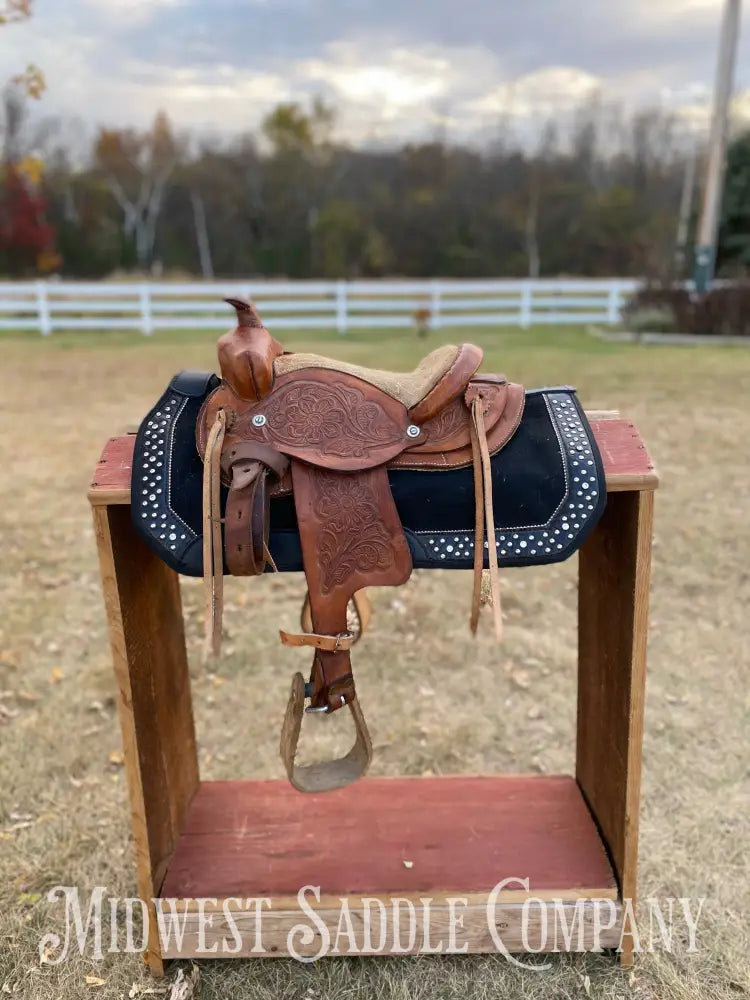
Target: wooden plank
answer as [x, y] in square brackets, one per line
[110, 483]
[142, 600]
[627, 465]
[384, 927]
[402, 836]
[614, 578]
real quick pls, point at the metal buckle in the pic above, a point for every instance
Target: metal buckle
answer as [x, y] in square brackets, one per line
[314, 709]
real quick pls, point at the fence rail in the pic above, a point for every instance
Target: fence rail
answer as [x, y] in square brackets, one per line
[332, 305]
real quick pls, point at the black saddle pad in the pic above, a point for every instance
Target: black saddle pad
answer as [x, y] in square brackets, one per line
[547, 487]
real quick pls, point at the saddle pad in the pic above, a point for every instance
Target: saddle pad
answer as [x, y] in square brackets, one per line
[547, 485]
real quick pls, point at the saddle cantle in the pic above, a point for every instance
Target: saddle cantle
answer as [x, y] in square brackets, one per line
[356, 475]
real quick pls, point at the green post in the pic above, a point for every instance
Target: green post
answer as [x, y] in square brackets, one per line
[703, 267]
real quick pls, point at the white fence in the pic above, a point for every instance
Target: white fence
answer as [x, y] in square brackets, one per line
[332, 305]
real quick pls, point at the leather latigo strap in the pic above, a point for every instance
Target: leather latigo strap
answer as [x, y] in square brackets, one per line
[246, 522]
[247, 465]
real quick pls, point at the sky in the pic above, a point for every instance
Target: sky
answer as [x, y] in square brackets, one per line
[394, 69]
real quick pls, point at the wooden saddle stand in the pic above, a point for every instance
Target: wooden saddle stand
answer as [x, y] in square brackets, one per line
[355, 476]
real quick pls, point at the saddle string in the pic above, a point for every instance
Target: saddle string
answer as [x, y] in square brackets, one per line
[213, 558]
[269, 558]
[484, 521]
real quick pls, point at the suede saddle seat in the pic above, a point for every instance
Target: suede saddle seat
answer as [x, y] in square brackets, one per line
[438, 379]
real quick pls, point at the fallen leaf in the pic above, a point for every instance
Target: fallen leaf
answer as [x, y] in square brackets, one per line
[95, 981]
[186, 987]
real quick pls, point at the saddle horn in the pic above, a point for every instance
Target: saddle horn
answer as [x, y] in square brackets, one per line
[247, 353]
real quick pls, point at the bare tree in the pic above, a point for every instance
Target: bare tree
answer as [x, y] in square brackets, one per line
[136, 167]
[201, 234]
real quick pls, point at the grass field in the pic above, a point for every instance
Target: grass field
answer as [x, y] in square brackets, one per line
[63, 809]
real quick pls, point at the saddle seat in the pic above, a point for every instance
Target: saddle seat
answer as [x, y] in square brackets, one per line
[438, 379]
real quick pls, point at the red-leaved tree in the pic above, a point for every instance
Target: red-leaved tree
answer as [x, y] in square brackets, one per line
[27, 243]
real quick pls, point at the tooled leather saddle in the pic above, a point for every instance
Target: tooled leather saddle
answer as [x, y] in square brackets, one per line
[295, 461]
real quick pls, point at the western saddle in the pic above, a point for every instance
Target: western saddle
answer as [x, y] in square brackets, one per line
[328, 432]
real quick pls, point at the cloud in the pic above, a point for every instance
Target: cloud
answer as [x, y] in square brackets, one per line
[545, 92]
[392, 68]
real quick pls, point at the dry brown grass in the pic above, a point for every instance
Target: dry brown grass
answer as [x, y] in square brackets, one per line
[63, 813]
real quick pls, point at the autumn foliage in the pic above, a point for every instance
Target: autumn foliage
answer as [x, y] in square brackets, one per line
[27, 243]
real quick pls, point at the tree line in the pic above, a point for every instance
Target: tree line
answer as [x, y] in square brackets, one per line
[605, 197]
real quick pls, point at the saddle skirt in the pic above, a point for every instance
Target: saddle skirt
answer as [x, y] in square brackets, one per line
[294, 462]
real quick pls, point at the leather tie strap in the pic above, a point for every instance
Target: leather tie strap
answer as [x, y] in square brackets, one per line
[325, 776]
[213, 563]
[485, 518]
[332, 643]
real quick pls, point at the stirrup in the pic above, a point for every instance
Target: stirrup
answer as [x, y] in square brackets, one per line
[326, 775]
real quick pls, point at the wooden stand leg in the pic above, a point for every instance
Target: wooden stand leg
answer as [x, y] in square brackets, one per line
[613, 596]
[144, 612]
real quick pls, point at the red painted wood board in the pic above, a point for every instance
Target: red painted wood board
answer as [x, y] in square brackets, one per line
[390, 836]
